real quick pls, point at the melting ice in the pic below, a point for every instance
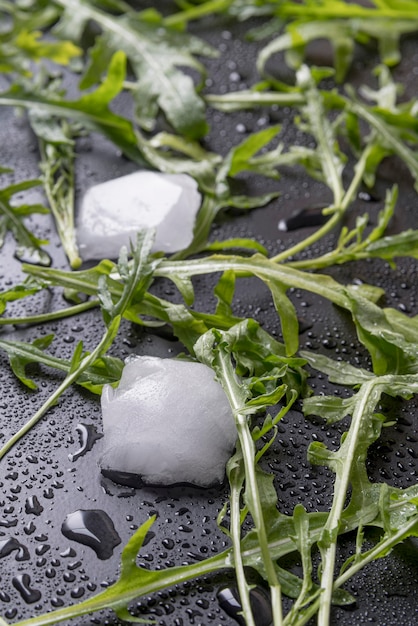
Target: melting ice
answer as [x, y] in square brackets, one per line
[112, 213]
[169, 422]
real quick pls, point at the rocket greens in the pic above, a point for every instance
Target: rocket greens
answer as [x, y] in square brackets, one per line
[347, 136]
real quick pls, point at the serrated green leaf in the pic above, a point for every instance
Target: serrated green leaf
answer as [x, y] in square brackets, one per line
[91, 110]
[155, 52]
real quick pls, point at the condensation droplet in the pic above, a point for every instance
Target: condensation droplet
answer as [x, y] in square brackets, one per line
[92, 528]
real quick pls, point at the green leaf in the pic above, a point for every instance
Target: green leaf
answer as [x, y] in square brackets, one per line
[332, 409]
[338, 372]
[91, 110]
[106, 370]
[242, 159]
[288, 317]
[342, 24]
[28, 246]
[389, 350]
[60, 52]
[56, 142]
[240, 242]
[155, 52]
[28, 288]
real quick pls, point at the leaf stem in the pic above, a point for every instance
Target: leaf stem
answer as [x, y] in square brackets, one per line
[193, 13]
[235, 497]
[118, 596]
[331, 527]
[234, 395]
[49, 317]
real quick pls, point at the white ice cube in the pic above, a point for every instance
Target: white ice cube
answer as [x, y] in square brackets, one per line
[169, 421]
[112, 213]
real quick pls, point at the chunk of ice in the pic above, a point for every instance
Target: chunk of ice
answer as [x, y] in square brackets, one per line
[169, 421]
[112, 213]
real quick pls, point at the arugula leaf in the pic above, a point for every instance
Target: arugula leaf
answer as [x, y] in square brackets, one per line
[61, 52]
[348, 463]
[155, 52]
[28, 288]
[28, 246]
[105, 370]
[92, 110]
[57, 167]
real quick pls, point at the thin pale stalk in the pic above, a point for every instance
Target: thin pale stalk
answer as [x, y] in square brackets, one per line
[246, 100]
[197, 12]
[238, 562]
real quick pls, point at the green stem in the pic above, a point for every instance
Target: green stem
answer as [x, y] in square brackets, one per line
[308, 241]
[250, 99]
[118, 596]
[57, 165]
[233, 393]
[243, 590]
[49, 317]
[197, 12]
[263, 268]
[332, 526]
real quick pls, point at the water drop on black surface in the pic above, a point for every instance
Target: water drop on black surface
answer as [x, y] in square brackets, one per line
[367, 196]
[88, 436]
[22, 584]
[32, 505]
[229, 601]
[92, 528]
[9, 545]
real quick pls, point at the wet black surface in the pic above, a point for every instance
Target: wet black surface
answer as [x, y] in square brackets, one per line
[53, 473]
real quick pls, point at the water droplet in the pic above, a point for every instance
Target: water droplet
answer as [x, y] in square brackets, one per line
[229, 601]
[4, 596]
[92, 528]
[366, 196]
[168, 544]
[88, 436]
[22, 582]
[9, 545]
[32, 505]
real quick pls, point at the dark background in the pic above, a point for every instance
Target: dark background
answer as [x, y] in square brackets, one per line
[41, 485]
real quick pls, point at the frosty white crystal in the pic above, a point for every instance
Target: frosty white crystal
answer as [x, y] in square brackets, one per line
[112, 213]
[168, 421]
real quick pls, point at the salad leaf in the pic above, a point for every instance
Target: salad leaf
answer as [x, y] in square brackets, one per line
[105, 370]
[28, 246]
[155, 52]
[92, 109]
[57, 167]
